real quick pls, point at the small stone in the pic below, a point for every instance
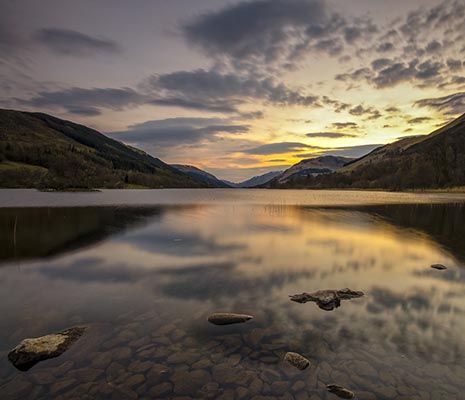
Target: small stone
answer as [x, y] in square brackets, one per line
[228, 318]
[340, 391]
[158, 373]
[30, 351]
[298, 361]
[440, 267]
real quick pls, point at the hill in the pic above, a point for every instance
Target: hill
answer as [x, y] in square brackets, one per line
[314, 166]
[201, 175]
[434, 161]
[41, 151]
[258, 180]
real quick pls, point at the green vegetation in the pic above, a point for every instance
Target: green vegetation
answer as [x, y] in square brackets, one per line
[41, 151]
[436, 161]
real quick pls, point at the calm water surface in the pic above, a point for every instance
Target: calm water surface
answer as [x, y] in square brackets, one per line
[143, 270]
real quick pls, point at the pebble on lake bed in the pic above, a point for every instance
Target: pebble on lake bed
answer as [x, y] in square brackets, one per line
[298, 361]
[439, 267]
[30, 351]
[340, 391]
[327, 300]
[228, 318]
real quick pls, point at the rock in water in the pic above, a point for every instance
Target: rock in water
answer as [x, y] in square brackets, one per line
[439, 267]
[227, 318]
[340, 391]
[30, 351]
[297, 360]
[327, 299]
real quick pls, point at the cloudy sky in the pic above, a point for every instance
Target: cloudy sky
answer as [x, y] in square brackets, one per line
[238, 87]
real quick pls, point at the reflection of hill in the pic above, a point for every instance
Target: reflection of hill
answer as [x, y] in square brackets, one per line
[444, 223]
[27, 233]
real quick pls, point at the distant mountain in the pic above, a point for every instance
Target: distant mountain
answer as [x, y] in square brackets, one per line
[41, 151]
[436, 160]
[258, 180]
[201, 175]
[314, 166]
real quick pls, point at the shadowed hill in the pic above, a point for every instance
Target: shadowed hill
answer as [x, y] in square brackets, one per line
[41, 151]
[427, 162]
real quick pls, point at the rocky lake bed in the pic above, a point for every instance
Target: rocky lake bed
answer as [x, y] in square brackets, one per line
[251, 302]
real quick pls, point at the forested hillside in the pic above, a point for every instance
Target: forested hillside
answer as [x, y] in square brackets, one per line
[41, 151]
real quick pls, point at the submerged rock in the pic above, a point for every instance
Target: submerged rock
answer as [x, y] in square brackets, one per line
[30, 351]
[297, 360]
[327, 299]
[439, 267]
[227, 318]
[340, 391]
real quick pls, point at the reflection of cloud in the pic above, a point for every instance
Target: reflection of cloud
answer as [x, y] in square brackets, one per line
[164, 240]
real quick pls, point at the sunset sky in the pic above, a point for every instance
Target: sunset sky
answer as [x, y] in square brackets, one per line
[238, 88]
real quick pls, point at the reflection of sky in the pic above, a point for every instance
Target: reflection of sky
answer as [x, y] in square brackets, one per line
[249, 259]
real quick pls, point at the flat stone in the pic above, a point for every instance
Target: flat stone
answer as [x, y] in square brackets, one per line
[228, 318]
[202, 364]
[161, 389]
[340, 391]
[62, 385]
[186, 382]
[140, 366]
[134, 380]
[440, 267]
[122, 353]
[298, 361]
[86, 374]
[31, 351]
[102, 360]
[43, 378]
[327, 300]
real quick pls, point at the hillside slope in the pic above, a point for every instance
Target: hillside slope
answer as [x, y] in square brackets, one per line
[41, 151]
[259, 180]
[201, 175]
[318, 165]
[433, 161]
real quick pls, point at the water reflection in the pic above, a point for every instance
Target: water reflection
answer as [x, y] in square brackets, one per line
[144, 280]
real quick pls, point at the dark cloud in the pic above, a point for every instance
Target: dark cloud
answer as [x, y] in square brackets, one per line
[433, 47]
[329, 135]
[385, 47]
[452, 104]
[86, 101]
[71, 43]
[419, 120]
[453, 64]
[369, 112]
[279, 148]
[258, 30]
[215, 91]
[344, 125]
[177, 131]
[263, 34]
[380, 63]
[224, 106]
[392, 110]
[416, 50]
